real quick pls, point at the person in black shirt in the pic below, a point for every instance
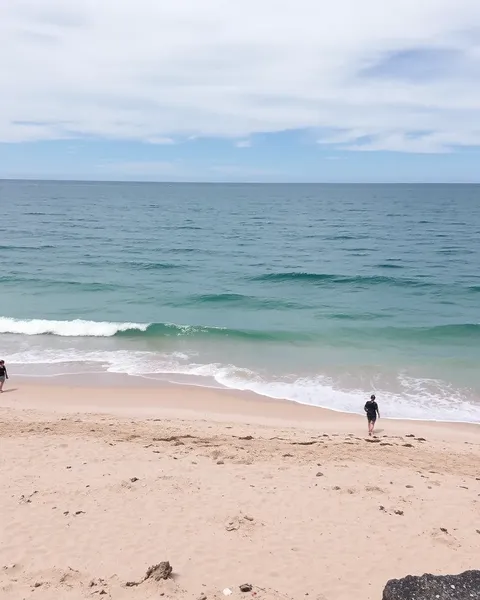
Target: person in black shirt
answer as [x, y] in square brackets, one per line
[371, 408]
[3, 374]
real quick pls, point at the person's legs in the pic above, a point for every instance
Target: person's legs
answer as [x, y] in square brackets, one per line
[371, 425]
[2, 381]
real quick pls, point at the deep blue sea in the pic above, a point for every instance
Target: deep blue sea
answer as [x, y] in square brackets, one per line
[319, 294]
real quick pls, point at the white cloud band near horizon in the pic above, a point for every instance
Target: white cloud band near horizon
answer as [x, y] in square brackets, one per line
[398, 75]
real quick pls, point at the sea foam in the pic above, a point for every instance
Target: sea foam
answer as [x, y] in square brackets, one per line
[75, 328]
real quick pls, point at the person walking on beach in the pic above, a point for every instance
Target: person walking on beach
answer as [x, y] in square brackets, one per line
[3, 374]
[371, 408]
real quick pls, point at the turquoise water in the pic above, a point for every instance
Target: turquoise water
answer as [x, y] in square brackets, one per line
[315, 293]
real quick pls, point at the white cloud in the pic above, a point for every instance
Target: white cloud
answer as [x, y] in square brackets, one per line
[243, 144]
[160, 141]
[398, 142]
[148, 70]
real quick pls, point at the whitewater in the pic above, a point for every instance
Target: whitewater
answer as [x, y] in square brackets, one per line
[75, 328]
[414, 398]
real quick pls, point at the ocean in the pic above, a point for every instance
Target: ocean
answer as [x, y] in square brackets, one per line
[318, 294]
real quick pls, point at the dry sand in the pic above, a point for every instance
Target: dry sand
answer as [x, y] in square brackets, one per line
[99, 484]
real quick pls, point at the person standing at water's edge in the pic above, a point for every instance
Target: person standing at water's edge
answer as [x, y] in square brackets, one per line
[3, 374]
[371, 408]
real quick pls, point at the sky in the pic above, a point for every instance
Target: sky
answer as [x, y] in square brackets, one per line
[257, 90]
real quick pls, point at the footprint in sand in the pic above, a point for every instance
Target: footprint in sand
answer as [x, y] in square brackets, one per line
[240, 522]
[441, 536]
[374, 488]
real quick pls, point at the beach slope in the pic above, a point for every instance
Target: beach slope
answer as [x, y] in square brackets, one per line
[99, 484]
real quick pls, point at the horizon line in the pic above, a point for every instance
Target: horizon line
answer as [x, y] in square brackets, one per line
[193, 182]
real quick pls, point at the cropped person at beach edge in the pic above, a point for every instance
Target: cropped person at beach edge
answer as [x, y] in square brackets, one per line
[3, 374]
[372, 410]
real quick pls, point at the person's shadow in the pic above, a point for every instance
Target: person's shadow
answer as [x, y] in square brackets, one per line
[9, 390]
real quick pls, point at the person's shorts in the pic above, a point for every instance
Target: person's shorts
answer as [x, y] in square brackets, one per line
[372, 418]
[2, 379]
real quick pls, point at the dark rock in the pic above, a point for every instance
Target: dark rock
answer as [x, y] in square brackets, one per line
[421, 440]
[444, 529]
[398, 512]
[134, 479]
[246, 587]
[410, 435]
[319, 474]
[246, 437]
[372, 440]
[465, 586]
[158, 572]
[408, 445]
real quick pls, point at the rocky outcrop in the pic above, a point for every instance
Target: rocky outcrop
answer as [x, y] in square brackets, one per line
[465, 586]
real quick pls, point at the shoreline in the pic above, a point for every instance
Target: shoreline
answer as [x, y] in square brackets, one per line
[193, 403]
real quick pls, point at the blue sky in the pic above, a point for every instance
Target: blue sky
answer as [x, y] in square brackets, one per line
[188, 91]
[276, 157]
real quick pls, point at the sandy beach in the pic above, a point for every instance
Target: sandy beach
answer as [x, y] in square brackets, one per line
[100, 483]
